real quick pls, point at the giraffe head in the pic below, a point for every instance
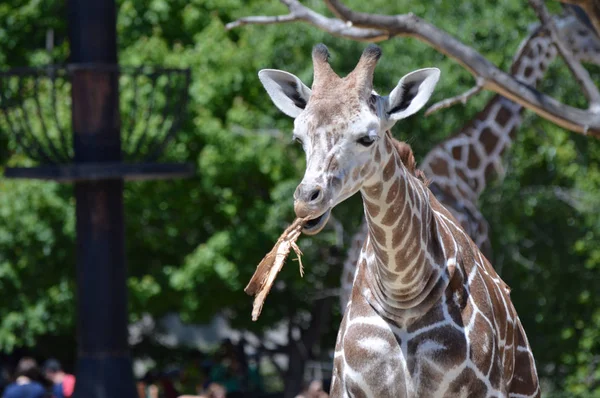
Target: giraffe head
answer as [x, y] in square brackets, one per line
[341, 124]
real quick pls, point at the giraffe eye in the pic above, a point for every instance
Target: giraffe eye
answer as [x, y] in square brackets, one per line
[366, 140]
[298, 140]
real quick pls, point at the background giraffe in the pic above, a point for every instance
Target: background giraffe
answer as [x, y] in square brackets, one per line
[429, 316]
[460, 167]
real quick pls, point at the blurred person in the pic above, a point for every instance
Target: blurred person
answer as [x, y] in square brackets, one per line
[193, 378]
[4, 377]
[255, 382]
[229, 374]
[28, 381]
[148, 387]
[313, 390]
[167, 387]
[214, 390]
[63, 383]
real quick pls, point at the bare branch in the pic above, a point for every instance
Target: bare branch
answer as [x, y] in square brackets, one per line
[571, 118]
[261, 20]
[373, 27]
[591, 8]
[581, 74]
[462, 98]
[298, 12]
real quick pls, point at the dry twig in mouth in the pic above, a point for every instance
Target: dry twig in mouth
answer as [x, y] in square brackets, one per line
[264, 276]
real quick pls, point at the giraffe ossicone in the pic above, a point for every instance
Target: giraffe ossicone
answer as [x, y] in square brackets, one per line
[428, 315]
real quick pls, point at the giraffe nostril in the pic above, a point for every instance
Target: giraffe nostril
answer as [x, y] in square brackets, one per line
[315, 195]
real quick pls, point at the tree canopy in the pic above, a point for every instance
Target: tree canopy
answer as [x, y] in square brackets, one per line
[193, 244]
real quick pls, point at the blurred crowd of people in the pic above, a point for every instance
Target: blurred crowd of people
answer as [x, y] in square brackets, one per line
[30, 381]
[228, 373]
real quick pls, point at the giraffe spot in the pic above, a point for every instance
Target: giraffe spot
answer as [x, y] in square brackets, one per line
[473, 160]
[495, 375]
[372, 208]
[490, 170]
[377, 233]
[489, 139]
[415, 270]
[526, 382]
[434, 316]
[334, 165]
[391, 215]
[404, 255]
[454, 309]
[528, 72]
[483, 344]
[365, 344]
[466, 384]
[411, 195]
[374, 191]
[479, 289]
[377, 155]
[389, 170]
[388, 145]
[457, 152]
[498, 311]
[503, 116]
[445, 346]
[355, 174]
[365, 169]
[510, 334]
[393, 192]
[439, 168]
[401, 264]
[396, 239]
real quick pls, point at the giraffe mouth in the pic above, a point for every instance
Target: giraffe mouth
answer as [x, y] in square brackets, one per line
[314, 226]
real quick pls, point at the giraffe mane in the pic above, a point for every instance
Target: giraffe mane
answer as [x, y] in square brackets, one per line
[408, 159]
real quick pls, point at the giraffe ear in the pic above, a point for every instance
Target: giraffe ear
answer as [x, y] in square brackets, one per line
[411, 93]
[287, 91]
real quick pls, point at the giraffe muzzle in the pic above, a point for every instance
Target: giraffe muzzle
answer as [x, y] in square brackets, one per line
[311, 200]
[315, 225]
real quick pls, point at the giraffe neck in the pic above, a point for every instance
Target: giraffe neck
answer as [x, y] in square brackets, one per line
[583, 41]
[404, 272]
[463, 165]
[452, 166]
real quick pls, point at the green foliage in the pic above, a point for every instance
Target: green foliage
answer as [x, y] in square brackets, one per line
[36, 262]
[193, 244]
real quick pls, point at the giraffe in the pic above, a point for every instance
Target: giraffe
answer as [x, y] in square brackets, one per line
[428, 315]
[460, 167]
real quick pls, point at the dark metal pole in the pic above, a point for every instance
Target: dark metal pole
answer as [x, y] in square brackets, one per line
[104, 364]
